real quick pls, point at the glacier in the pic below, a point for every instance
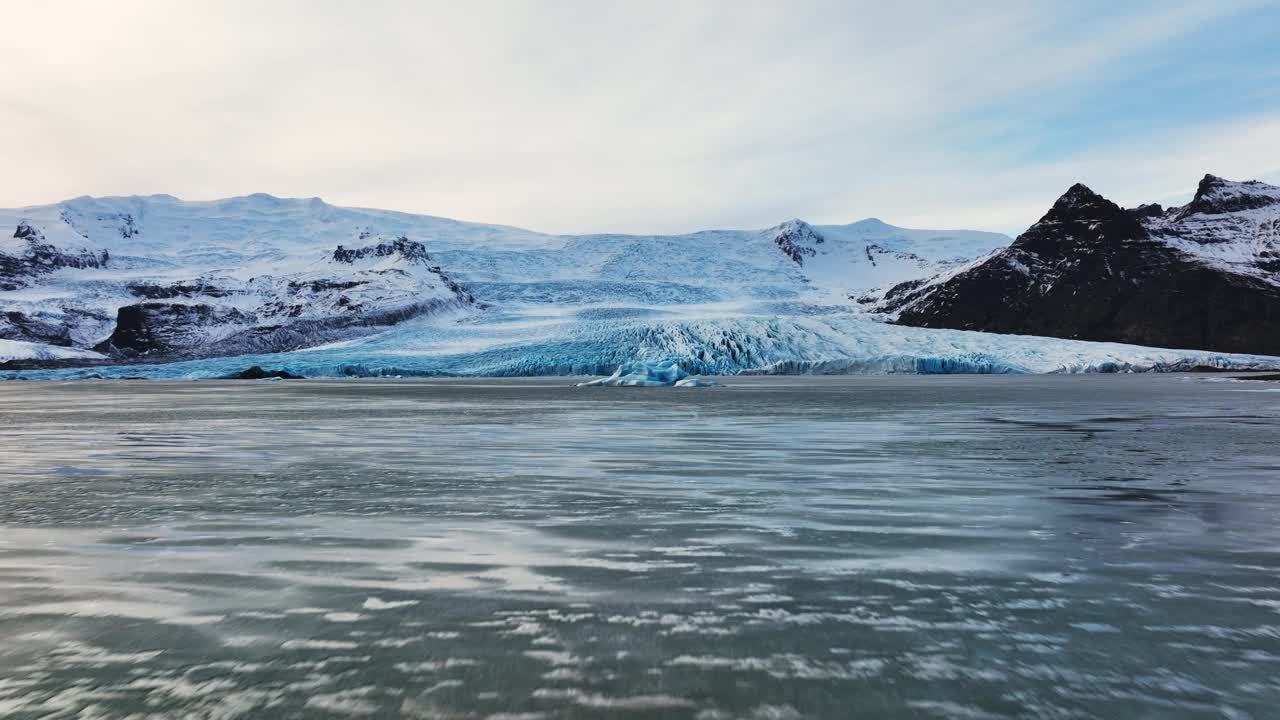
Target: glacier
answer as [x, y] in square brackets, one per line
[561, 341]
[323, 291]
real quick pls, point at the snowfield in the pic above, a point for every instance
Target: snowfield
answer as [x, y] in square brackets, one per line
[211, 288]
[18, 350]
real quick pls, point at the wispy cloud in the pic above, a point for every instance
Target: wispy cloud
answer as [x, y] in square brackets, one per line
[580, 116]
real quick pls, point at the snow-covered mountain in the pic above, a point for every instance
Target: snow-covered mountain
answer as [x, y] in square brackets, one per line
[155, 278]
[1205, 275]
[160, 287]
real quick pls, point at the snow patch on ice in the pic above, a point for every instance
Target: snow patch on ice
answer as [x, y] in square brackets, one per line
[373, 603]
[22, 350]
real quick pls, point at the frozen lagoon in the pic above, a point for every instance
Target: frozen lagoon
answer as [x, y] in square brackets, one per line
[943, 546]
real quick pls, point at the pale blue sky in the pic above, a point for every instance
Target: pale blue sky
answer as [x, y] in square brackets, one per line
[642, 116]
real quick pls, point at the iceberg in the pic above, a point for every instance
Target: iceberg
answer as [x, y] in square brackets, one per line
[666, 373]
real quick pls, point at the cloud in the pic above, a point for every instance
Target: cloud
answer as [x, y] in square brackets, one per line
[582, 116]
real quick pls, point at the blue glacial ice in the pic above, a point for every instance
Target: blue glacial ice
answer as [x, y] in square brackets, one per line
[701, 339]
[646, 374]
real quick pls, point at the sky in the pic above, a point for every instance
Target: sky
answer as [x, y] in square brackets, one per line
[656, 116]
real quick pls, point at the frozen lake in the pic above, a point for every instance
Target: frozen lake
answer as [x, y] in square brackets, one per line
[921, 546]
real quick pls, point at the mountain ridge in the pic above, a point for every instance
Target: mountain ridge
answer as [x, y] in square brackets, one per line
[1203, 275]
[187, 287]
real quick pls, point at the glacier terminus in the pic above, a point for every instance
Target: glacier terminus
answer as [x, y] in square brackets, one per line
[158, 287]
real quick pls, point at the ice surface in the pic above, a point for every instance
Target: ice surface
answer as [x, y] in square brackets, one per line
[703, 340]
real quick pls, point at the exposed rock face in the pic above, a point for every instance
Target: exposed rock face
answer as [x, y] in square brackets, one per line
[1149, 210]
[796, 239]
[16, 325]
[38, 257]
[346, 293]
[1093, 271]
[407, 249]
[165, 329]
[1235, 225]
[1216, 196]
[258, 373]
[196, 288]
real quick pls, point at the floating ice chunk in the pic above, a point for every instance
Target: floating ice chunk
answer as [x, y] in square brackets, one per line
[373, 603]
[695, 382]
[645, 374]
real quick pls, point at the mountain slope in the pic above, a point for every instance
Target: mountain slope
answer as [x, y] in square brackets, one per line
[155, 278]
[1201, 276]
[147, 279]
[158, 287]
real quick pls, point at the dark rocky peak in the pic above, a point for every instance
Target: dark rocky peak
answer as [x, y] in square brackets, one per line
[1079, 196]
[1215, 196]
[408, 250]
[1208, 183]
[26, 231]
[1081, 220]
[796, 239]
[1148, 210]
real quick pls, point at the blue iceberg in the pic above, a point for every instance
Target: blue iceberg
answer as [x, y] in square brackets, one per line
[646, 374]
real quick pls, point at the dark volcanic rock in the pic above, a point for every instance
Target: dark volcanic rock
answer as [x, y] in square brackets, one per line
[165, 329]
[1081, 221]
[1090, 270]
[410, 250]
[15, 325]
[305, 296]
[323, 285]
[796, 239]
[196, 288]
[1216, 195]
[257, 373]
[1149, 210]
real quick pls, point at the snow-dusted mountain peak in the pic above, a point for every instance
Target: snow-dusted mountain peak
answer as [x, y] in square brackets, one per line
[396, 250]
[1231, 225]
[1205, 275]
[1217, 196]
[797, 239]
[1079, 195]
[1080, 219]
